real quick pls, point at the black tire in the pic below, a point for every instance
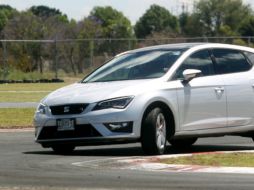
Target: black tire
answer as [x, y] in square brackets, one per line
[183, 143]
[63, 149]
[151, 134]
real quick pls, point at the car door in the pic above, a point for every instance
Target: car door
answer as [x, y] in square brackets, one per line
[236, 72]
[202, 101]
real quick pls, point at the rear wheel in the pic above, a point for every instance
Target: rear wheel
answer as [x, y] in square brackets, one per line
[183, 143]
[153, 132]
[63, 149]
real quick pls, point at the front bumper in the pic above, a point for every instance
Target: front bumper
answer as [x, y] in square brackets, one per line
[88, 141]
[90, 128]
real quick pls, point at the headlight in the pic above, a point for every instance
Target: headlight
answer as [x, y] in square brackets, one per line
[117, 103]
[41, 109]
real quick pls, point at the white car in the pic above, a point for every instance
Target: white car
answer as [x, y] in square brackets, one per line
[176, 93]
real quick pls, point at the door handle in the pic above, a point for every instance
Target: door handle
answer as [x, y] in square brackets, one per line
[219, 89]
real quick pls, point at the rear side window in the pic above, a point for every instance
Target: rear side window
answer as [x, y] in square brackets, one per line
[200, 60]
[250, 56]
[230, 61]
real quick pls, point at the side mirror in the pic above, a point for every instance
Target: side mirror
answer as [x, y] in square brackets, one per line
[190, 74]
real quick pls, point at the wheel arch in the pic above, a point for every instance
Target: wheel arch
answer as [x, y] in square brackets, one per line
[170, 118]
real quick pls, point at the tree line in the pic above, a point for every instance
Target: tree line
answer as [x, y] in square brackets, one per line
[209, 18]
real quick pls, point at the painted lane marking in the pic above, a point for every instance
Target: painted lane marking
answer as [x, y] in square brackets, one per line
[97, 162]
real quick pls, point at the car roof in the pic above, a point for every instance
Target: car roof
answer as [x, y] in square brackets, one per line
[186, 46]
[167, 47]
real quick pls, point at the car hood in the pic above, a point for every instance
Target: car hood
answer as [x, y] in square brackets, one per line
[94, 92]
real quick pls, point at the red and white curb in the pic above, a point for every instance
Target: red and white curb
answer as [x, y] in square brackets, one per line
[152, 164]
[17, 130]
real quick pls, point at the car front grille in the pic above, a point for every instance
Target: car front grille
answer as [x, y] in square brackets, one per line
[80, 131]
[68, 109]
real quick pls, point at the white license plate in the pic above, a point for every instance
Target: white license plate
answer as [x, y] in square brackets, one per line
[65, 124]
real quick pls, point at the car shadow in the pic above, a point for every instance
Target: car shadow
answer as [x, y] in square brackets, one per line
[137, 150]
[111, 151]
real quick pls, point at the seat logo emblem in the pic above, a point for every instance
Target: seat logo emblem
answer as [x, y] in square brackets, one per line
[66, 109]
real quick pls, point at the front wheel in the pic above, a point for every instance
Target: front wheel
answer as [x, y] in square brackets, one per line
[63, 149]
[153, 132]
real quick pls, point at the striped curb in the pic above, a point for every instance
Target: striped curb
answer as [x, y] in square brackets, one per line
[17, 130]
[151, 163]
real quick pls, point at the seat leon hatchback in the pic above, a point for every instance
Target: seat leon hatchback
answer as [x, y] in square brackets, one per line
[172, 93]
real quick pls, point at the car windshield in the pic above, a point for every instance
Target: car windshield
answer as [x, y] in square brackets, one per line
[138, 65]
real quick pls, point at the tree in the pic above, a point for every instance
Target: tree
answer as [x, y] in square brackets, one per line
[76, 52]
[114, 25]
[183, 21]
[40, 23]
[190, 25]
[247, 27]
[25, 26]
[219, 17]
[156, 19]
[45, 12]
[6, 13]
[90, 29]
[113, 22]
[53, 20]
[69, 49]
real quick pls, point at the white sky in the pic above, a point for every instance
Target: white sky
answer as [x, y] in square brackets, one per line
[78, 9]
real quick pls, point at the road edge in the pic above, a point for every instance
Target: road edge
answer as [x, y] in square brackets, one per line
[15, 130]
[152, 163]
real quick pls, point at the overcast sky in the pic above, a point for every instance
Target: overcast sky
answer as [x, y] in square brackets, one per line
[78, 9]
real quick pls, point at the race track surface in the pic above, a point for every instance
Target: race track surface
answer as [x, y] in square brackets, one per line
[25, 165]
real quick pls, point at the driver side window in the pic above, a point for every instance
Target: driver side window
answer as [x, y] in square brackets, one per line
[200, 60]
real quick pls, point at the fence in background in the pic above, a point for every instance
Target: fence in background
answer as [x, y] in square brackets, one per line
[44, 59]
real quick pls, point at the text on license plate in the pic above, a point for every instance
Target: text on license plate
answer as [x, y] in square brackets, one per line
[65, 124]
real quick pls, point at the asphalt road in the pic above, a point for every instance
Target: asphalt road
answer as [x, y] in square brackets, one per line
[25, 165]
[18, 104]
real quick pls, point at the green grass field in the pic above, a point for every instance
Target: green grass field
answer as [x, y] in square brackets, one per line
[26, 92]
[31, 86]
[16, 117]
[23, 117]
[33, 92]
[227, 160]
[22, 97]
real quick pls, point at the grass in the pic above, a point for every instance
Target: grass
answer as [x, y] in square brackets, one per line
[16, 117]
[31, 87]
[226, 160]
[27, 92]
[19, 75]
[21, 97]
[31, 92]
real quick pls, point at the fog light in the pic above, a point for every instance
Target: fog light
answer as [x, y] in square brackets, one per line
[123, 127]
